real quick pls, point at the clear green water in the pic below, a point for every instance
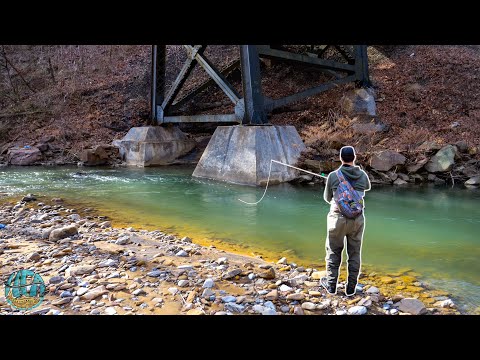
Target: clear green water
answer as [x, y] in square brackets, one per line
[433, 230]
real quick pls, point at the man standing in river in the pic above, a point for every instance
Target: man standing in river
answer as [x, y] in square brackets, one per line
[340, 226]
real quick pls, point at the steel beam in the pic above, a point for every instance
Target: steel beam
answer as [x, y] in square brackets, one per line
[361, 65]
[216, 76]
[310, 92]
[157, 90]
[345, 52]
[201, 118]
[252, 86]
[182, 77]
[205, 85]
[266, 51]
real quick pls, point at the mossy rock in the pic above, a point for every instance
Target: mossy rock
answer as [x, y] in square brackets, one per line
[408, 279]
[387, 280]
[414, 289]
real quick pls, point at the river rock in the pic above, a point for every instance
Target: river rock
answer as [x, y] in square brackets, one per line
[462, 146]
[24, 156]
[285, 288]
[359, 102]
[65, 294]
[221, 260]
[297, 310]
[341, 312]
[357, 310]
[186, 239]
[317, 275]
[272, 295]
[282, 261]
[443, 160]
[63, 232]
[447, 303]
[308, 306]
[400, 182]
[139, 292]
[369, 128]
[62, 301]
[207, 293]
[105, 224]
[386, 159]
[429, 146]
[29, 197]
[372, 290]
[229, 298]
[33, 257]
[231, 274]
[365, 302]
[74, 217]
[387, 280]
[195, 311]
[268, 274]
[475, 181]
[411, 306]
[172, 290]
[110, 311]
[123, 240]
[108, 262]
[56, 279]
[94, 293]
[209, 283]
[183, 283]
[296, 297]
[268, 311]
[155, 273]
[82, 291]
[417, 166]
[182, 253]
[79, 270]
[235, 308]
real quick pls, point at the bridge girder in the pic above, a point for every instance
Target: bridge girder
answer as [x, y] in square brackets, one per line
[253, 107]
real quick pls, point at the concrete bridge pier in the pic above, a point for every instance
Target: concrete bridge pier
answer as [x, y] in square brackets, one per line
[242, 154]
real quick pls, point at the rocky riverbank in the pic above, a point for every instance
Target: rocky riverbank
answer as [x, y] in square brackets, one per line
[91, 268]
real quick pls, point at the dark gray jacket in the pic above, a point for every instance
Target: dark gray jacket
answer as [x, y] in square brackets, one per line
[352, 173]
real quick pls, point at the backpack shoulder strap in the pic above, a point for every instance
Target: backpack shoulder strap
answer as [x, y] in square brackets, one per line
[342, 178]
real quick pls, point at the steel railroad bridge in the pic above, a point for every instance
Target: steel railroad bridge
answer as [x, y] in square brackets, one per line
[252, 107]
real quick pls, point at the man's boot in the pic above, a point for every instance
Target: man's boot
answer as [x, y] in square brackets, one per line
[331, 288]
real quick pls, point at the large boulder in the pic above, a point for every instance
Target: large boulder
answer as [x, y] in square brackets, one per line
[99, 155]
[154, 145]
[24, 156]
[63, 232]
[475, 181]
[386, 159]
[428, 146]
[411, 306]
[359, 102]
[443, 160]
[417, 165]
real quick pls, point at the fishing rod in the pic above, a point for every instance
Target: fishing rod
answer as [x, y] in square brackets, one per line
[268, 179]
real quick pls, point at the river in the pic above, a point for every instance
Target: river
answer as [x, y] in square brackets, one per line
[433, 230]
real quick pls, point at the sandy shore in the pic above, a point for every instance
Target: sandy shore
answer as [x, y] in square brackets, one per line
[91, 268]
